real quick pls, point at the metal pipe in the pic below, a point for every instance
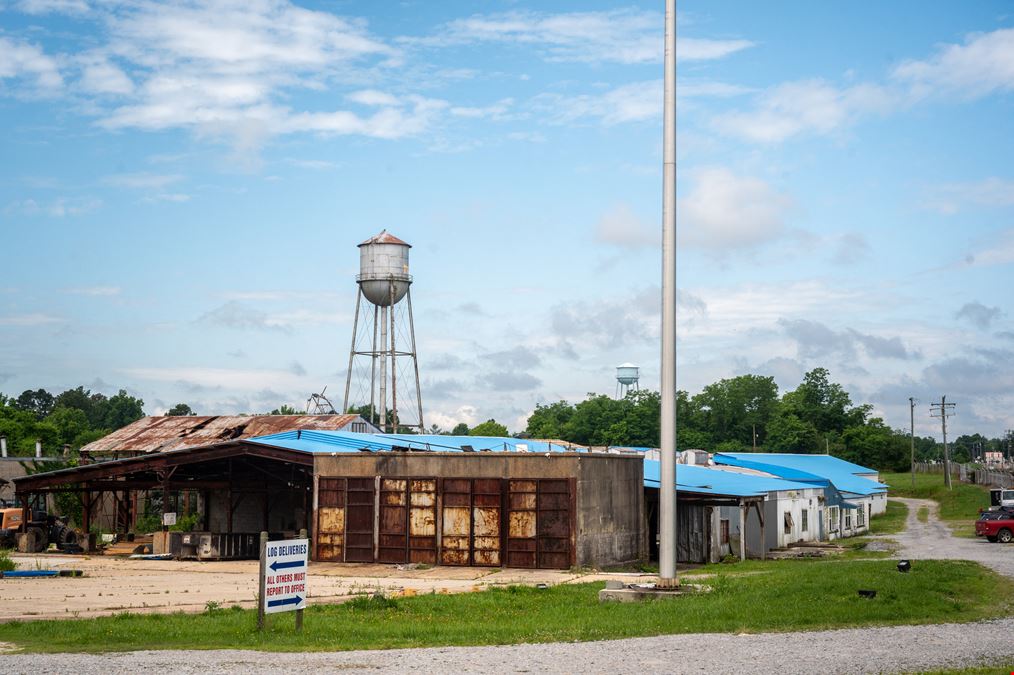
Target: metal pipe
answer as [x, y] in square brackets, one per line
[373, 371]
[3, 446]
[394, 371]
[911, 412]
[38, 447]
[667, 490]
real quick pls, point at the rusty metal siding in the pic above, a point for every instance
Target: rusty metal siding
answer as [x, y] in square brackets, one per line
[393, 537]
[331, 519]
[487, 508]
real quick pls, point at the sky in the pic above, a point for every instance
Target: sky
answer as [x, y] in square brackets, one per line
[183, 187]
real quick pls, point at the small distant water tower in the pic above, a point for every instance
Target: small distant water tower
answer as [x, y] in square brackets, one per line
[626, 379]
[383, 337]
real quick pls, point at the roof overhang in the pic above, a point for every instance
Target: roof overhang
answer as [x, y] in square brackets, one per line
[85, 477]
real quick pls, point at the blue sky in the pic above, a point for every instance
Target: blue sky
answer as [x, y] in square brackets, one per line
[184, 186]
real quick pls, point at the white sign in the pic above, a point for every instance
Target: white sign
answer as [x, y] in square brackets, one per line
[168, 519]
[283, 587]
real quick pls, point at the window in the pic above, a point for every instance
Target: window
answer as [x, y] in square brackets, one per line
[787, 518]
[861, 517]
[359, 427]
[848, 519]
[804, 523]
[723, 529]
[832, 519]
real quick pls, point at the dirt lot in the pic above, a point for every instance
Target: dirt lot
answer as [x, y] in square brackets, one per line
[113, 585]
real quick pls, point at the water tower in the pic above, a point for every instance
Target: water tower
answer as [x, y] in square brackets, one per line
[383, 355]
[626, 378]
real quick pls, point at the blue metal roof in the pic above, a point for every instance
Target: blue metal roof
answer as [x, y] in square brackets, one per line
[714, 481]
[817, 469]
[328, 442]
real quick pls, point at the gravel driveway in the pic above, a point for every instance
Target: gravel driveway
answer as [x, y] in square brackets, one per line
[869, 650]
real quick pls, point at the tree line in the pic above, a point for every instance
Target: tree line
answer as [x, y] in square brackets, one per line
[744, 414]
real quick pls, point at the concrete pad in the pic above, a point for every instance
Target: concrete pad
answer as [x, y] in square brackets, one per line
[114, 585]
[642, 592]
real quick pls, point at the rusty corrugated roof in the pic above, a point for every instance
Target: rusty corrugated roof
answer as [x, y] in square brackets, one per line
[384, 237]
[157, 434]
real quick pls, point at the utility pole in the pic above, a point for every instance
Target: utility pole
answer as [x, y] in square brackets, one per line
[667, 478]
[911, 413]
[755, 438]
[943, 411]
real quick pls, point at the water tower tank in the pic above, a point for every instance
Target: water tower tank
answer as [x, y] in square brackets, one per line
[383, 269]
[626, 374]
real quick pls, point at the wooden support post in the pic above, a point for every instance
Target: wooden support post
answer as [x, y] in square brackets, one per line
[228, 494]
[764, 541]
[86, 518]
[742, 530]
[299, 612]
[261, 600]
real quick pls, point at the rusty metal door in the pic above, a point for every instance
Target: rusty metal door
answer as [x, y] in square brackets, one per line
[408, 520]
[471, 522]
[392, 546]
[456, 522]
[422, 521]
[522, 543]
[330, 519]
[554, 530]
[487, 507]
[359, 519]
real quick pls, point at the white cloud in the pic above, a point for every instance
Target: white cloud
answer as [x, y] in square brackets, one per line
[724, 211]
[982, 65]
[215, 378]
[633, 102]
[24, 60]
[372, 97]
[617, 36]
[142, 180]
[952, 197]
[36, 319]
[805, 107]
[622, 227]
[998, 251]
[100, 76]
[58, 208]
[979, 314]
[95, 291]
[52, 6]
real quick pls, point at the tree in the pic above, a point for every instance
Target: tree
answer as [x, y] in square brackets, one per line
[731, 410]
[38, 402]
[824, 404]
[549, 421]
[70, 423]
[460, 429]
[180, 410]
[121, 410]
[786, 432]
[488, 428]
[285, 409]
[876, 445]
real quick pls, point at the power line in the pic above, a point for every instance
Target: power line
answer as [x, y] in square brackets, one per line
[943, 410]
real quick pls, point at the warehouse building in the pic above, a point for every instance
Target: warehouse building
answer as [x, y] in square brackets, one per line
[384, 498]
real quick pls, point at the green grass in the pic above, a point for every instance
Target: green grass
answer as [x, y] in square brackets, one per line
[768, 599]
[959, 507]
[923, 514]
[6, 564]
[891, 522]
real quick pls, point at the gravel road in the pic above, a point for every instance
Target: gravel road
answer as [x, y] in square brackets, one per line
[870, 650]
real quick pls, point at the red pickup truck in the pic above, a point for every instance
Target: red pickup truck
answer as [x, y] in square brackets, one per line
[996, 526]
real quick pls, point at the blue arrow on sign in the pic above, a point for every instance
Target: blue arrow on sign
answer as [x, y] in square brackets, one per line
[287, 601]
[275, 565]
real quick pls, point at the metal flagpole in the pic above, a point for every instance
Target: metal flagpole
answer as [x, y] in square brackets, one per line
[667, 483]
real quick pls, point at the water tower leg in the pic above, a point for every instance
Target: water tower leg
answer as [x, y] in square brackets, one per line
[373, 371]
[415, 359]
[382, 353]
[394, 371]
[352, 353]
